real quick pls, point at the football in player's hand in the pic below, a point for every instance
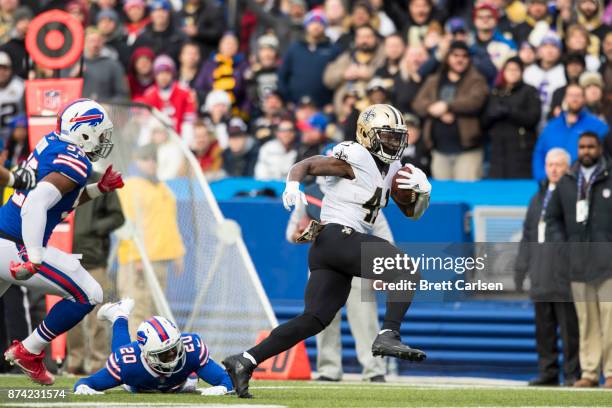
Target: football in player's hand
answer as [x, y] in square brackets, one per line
[402, 195]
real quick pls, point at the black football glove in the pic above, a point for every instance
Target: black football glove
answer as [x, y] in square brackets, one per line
[24, 178]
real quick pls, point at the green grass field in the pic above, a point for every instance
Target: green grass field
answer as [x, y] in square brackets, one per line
[315, 394]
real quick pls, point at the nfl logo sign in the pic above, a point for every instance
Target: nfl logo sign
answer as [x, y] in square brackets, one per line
[52, 99]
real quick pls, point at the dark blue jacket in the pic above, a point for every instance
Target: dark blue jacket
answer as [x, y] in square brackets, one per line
[558, 134]
[301, 73]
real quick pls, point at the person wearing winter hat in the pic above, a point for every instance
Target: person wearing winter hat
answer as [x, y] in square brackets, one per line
[137, 19]
[548, 74]
[170, 97]
[109, 25]
[140, 71]
[593, 86]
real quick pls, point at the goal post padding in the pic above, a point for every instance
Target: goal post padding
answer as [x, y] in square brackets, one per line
[218, 294]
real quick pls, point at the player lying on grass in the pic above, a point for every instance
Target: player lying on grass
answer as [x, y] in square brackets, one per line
[162, 359]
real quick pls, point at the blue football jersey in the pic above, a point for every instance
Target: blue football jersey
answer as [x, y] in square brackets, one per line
[127, 365]
[51, 155]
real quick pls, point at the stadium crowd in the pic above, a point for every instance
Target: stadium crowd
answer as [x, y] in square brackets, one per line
[487, 87]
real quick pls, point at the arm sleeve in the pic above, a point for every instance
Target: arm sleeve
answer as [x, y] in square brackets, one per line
[214, 374]
[34, 216]
[100, 381]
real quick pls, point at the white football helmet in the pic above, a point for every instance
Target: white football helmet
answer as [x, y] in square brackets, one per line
[85, 123]
[381, 130]
[161, 345]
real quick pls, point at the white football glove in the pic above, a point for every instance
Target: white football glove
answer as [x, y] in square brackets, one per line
[214, 391]
[417, 180]
[292, 195]
[84, 389]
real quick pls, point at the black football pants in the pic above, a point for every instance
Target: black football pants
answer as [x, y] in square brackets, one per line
[334, 259]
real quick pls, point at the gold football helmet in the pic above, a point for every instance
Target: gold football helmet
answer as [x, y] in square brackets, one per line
[381, 130]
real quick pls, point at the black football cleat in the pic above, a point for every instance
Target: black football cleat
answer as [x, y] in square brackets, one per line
[390, 344]
[240, 370]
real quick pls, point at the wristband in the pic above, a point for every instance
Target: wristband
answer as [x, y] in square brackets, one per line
[93, 190]
[11, 180]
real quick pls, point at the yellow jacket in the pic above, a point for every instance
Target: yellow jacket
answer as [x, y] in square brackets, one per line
[151, 210]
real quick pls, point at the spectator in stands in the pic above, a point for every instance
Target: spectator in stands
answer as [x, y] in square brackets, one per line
[170, 162]
[273, 112]
[224, 70]
[110, 27]
[564, 130]
[7, 8]
[313, 138]
[162, 35]
[140, 72]
[510, 120]
[203, 21]
[527, 54]
[137, 19]
[394, 48]
[97, 6]
[170, 97]
[278, 155]
[15, 46]
[353, 69]
[589, 15]
[548, 74]
[287, 27]
[456, 30]
[206, 150]
[190, 62]
[384, 25]
[12, 91]
[17, 147]
[240, 157]
[537, 17]
[378, 91]
[79, 10]
[94, 222]
[488, 36]
[420, 20]
[451, 102]
[149, 207]
[606, 66]
[361, 14]
[579, 215]
[593, 86]
[574, 67]
[550, 288]
[103, 76]
[303, 65]
[416, 153]
[216, 114]
[577, 41]
[262, 75]
[337, 19]
[407, 81]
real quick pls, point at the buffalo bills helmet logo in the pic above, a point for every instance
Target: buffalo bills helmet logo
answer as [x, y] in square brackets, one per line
[93, 117]
[141, 336]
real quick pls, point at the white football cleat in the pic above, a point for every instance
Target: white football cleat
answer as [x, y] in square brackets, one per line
[110, 311]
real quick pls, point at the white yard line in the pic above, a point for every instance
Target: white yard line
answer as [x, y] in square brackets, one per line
[131, 404]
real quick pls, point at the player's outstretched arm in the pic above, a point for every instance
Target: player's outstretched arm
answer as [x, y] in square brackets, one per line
[313, 166]
[215, 375]
[96, 383]
[110, 181]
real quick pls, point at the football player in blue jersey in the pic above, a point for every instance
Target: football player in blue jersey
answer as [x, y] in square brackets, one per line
[62, 160]
[162, 359]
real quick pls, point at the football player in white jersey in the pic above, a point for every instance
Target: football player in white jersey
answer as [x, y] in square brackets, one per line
[358, 183]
